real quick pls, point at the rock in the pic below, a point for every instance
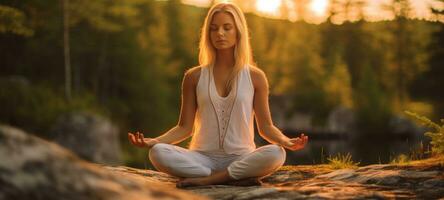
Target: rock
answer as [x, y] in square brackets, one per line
[255, 193]
[434, 183]
[91, 137]
[221, 192]
[418, 174]
[341, 120]
[36, 169]
[341, 174]
[319, 182]
[32, 168]
[401, 124]
[375, 174]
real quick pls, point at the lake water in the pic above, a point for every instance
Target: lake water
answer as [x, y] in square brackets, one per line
[369, 150]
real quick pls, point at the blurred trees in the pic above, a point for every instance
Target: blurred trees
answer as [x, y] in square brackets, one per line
[428, 86]
[408, 56]
[13, 21]
[124, 57]
[182, 37]
[367, 67]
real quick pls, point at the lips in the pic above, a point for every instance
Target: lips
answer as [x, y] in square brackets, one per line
[220, 41]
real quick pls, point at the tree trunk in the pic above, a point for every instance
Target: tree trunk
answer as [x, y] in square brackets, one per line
[68, 84]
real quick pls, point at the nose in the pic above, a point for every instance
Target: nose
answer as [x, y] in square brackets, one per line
[220, 31]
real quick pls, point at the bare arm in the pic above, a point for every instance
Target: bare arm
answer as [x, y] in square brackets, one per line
[184, 127]
[265, 125]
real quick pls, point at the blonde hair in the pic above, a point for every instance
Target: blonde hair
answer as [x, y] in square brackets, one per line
[242, 50]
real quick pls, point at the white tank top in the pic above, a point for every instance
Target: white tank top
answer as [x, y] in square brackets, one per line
[224, 124]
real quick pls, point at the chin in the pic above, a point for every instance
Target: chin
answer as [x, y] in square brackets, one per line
[223, 47]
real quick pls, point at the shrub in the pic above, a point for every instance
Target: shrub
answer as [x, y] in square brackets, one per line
[36, 107]
[437, 133]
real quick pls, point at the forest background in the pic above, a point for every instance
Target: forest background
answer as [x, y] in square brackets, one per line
[125, 60]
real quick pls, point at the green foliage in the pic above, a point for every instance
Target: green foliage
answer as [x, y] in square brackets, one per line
[426, 85]
[437, 133]
[342, 161]
[13, 20]
[35, 108]
[108, 16]
[338, 86]
[371, 103]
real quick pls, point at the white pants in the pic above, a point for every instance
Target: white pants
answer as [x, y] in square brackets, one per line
[182, 162]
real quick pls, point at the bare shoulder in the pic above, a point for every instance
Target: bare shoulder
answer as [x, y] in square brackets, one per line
[258, 77]
[193, 74]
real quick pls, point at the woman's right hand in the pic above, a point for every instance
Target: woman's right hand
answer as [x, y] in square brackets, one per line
[138, 140]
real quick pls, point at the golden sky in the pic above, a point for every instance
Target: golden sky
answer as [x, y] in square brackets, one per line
[316, 10]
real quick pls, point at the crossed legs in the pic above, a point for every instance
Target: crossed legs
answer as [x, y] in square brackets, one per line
[197, 169]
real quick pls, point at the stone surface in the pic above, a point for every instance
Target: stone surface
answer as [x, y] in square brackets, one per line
[90, 136]
[32, 168]
[416, 181]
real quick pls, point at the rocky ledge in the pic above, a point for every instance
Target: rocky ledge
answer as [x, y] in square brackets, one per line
[417, 180]
[31, 168]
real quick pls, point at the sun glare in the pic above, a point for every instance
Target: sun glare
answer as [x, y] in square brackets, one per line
[268, 6]
[319, 6]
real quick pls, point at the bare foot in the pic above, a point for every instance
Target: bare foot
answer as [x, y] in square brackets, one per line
[189, 182]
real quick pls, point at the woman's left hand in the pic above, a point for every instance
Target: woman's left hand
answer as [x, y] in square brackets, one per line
[295, 144]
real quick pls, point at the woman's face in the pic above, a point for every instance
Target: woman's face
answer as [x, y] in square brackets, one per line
[223, 33]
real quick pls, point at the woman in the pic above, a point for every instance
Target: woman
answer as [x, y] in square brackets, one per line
[220, 97]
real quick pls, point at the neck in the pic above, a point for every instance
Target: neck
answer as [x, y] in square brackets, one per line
[225, 58]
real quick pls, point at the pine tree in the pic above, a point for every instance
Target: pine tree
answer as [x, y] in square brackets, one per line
[431, 82]
[407, 52]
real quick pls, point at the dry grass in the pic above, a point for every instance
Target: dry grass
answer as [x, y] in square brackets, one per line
[342, 161]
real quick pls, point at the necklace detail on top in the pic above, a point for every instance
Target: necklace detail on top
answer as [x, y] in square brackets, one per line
[223, 106]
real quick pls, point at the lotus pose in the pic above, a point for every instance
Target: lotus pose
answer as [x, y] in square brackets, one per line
[220, 99]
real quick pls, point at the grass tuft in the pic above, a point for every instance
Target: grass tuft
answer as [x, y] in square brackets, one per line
[342, 161]
[402, 159]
